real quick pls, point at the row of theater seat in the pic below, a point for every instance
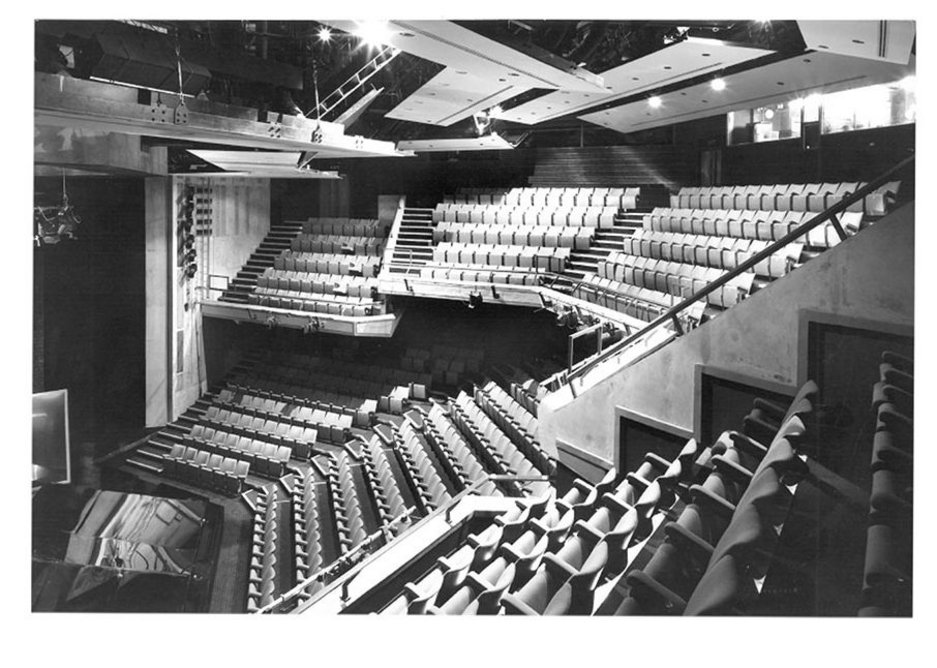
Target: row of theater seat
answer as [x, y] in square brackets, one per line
[308, 366]
[675, 278]
[327, 304]
[493, 443]
[565, 237]
[716, 252]
[336, 264]
[694, 535]
[388, 489]
[524, 216]
[350, 227]
[814, 197]
[298, 435]
[335, 243]
[265, 458]
[205, 469]
[313, 420]
[310, 552]
[515, 421]
[286, 406]
[439, 429]
[423, 471]
[481, 273]
[887, 573]
[551, 259]
[318, 284]
[359, 392]
[264, 543]
[349, 517]
[624, 198]
[748, 224]
[641, 303]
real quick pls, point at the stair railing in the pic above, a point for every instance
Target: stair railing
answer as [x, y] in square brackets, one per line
[831, 214]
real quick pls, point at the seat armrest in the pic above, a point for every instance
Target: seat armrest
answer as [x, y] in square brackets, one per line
[748, 445]
[689, 541]
[557, 567]
[515, 606]
[717, 504]
[772, 408]
[671, 601]
[615, 504]
[731, 470]
[657, 461]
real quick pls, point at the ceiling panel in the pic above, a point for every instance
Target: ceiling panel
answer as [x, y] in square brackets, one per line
[778, 82]
[451, 96]
[879, 40]
[684, 60]
[491, 142]
[269, 164]
[452, 45]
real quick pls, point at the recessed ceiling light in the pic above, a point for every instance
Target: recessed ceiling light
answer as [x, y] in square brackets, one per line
[406, 34]
[858, 41]
[822, 46]
[683, 93]
[667, 67]
[718, 84]
[513, 74]
[705, 101]
[636, 78]
[780, 83]
[654, 101]
[461, 72]
[502, 79]
[705, 55]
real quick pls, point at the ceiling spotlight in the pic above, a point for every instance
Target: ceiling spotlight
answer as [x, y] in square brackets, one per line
[373, 33]
[718, 84]
[325, 34]
[654, 101]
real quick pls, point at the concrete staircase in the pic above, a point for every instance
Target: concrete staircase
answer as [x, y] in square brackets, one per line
[277, 240]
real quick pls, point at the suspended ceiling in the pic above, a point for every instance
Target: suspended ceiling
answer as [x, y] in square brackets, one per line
[781, 81]
[690, 58]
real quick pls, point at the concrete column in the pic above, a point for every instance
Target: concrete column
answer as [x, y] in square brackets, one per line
[160, 256]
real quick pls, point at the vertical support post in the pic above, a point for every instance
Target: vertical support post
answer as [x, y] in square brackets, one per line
[160, 275]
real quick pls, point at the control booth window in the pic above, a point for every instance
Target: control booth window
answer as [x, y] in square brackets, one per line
[875, 106]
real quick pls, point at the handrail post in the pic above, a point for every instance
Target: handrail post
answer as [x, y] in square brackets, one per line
[834, 219]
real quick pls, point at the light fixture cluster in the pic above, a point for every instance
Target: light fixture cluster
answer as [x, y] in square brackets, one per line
[54, 223]
[185, 245]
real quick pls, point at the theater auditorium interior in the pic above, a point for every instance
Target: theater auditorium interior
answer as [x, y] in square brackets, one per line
[594, 318]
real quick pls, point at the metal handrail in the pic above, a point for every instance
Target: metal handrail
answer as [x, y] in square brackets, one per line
[670, 316]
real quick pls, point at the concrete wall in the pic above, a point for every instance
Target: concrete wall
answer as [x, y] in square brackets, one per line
[869, 276]
[240, 220]
[159, 259]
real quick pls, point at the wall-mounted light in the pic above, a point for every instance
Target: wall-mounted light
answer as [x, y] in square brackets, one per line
[654, 101]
